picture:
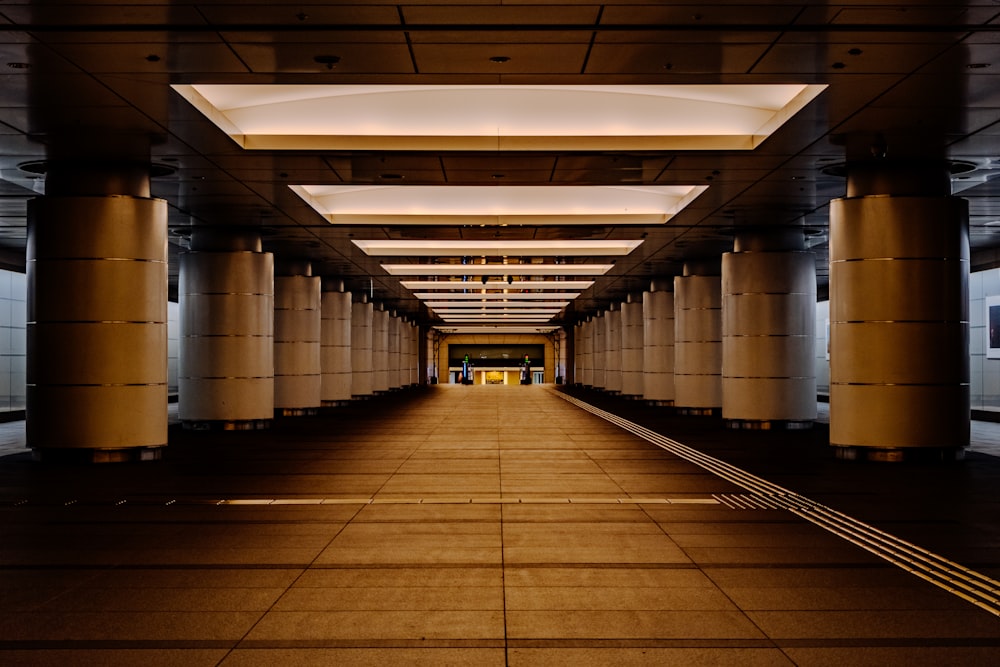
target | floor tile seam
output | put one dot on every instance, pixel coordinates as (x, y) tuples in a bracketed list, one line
[(113, 644), (252, 626), (718, 589), (737, 644), (941, 572)]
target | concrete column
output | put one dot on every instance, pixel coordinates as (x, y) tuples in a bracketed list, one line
[(394, 352), (362, 359), (899, 313), (578, 353), (580, 350), (410, 360), (226, 365), (632, 349), (769, 331), (598, 356), (97, 315), (335, 345), (613, 349), (297, 325), (380, 350), (658, 344), (415, 364), (562, 365), (698, 339)]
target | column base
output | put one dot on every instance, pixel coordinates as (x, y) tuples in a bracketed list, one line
[(900, 454), (84, 455), (699, 412), (335, 404), (768, 424), (295, 412), (226, 425)]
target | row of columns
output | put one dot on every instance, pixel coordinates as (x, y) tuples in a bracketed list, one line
[(257, 339), (738, 336), (254, 339), (279, 341)]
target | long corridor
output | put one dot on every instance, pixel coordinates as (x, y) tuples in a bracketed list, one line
[(484, 525)]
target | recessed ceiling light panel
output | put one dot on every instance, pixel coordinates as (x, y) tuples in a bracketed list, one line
[(524, 205), (499, 117), (453, 285), (496, 270), (458, 297), (442, 248)]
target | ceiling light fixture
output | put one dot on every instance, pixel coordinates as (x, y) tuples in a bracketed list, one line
[(496, 304), (528, 205), (428, 248), (452, 285), (497, 269), (498, 117), (494, 296)]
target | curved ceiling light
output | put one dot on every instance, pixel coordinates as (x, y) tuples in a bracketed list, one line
[(496, 270), (467, 286), (494, 305), (458, 297), (510, 205), (444, 248), (499, 117)]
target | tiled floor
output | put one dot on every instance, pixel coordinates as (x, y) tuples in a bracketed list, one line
[(484, 525)]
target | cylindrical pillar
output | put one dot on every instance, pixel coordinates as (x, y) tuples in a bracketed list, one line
[(578, 360), (769, 331), (899, 313), (394, 352), (698, 339), (658, 344), (598, 355), (632, 349), (226, 291), (613, 350), (380, 350), (409, 357), (297, 325), (562, 365), (97, 322), (335, 345), (362, 373)]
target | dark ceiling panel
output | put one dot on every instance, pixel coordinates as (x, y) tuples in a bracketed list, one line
[(838, 58), (542, 14), (300, 14), (673, 59), (700, 14), (476, 57), (151, 57), (354, 58)]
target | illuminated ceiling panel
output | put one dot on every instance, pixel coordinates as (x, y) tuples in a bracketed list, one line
[(442, 248), (493, 312), (510, 205), (498, 117), (495, 329), (496, 305), (557, 285), (496, 269), (520, 319), (446, 297)]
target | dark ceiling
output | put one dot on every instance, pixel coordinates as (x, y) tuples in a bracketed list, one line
[(922, 76)]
